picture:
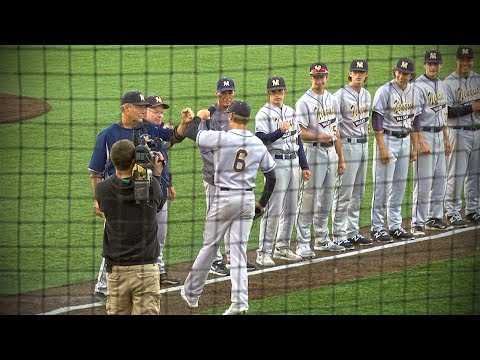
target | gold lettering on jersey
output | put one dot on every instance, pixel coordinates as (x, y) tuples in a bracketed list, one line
[(467, 94), (402, 107), (324, 113), (435, 98), (359, 112)]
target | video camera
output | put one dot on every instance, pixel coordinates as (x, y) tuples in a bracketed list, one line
[(144, 158)]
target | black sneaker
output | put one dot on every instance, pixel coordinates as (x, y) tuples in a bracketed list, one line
[(100, 297), (219, 268), (437, 224), (167, 279), (456, 220), (250, 266), (473, 217), (360, 240), (401, 234), (382, 236), (417, 230), (346, 244)]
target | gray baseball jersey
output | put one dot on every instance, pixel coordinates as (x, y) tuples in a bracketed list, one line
[(464, 131), (353, 125), (238, 154), (277, 222), (429, 171), (317, 113), (398, 108), (219, 122)]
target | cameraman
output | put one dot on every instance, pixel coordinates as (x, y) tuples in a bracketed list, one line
[(130, 246), (134, 108)]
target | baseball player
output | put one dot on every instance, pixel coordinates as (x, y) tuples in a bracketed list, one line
[(155, 115), (395, 107), (429, 170), (134, 108), (316, 113), (238, 154), (218, 121), (354, 103), (276, 126), (463, 97)]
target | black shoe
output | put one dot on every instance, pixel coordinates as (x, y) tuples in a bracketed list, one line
[(167, 279), (456, 220), (381, 236), (250, 266), (417, 230), (401, 234), (473, 217), (437, 224), (219, 268), (359, 239), (100, 297)]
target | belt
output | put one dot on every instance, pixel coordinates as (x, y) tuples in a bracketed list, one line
[(361, 140), (286, 156), (467, 127), (432, 128), (323, 144), (398, 134), (228, 189)]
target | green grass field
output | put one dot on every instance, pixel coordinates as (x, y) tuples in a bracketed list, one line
[(50, 236)]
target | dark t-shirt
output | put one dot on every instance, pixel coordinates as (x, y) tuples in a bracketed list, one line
[(130, 234)]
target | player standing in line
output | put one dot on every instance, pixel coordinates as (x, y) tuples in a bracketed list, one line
[(155, 114), (134, 108), (276, 126), (219, 121), (463, 97), (354, 103), (238, 155), (316, 112), (430, 169), (395, 108)]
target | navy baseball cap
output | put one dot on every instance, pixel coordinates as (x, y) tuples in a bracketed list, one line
[(276, 83), (225, 83), (433, 56), (134, 97), (318, 68), (155, 100), (359, 65), (405, 65), (464, 51), (240, 108)]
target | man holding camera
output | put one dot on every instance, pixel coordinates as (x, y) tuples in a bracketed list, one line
[(134, 108), (130, 246)]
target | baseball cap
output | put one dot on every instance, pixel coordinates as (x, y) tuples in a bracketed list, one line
[(318, 68), (134, 97), (240, 108), (464, 51), (405, 65), (225, 83), (276, 83), (359, 65), (433, 56), (155, 100)]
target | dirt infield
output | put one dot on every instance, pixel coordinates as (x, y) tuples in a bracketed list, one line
[(16, 108), (268, 283)]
